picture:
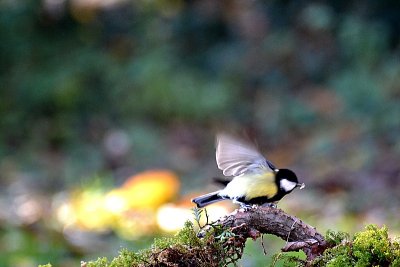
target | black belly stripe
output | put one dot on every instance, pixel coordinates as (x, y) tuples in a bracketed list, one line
[(261, 200)]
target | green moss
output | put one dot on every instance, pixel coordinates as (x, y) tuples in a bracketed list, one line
[(339, 256), (126, 258), (371, 247), (186, 236), (100, 262), (184, 249), (336, 237)]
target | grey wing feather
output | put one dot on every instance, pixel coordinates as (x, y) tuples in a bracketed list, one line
[(235, 157)]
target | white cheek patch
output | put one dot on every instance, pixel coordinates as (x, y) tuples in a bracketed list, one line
[(287, 185)]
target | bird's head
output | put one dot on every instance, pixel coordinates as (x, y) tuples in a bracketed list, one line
[(287, 180)]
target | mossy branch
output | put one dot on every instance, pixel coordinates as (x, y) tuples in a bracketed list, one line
[(265, 220), (222, 243)]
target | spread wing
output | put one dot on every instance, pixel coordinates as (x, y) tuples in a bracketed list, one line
[(235, 157)]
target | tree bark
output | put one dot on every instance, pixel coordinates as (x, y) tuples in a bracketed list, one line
[(267, 220)]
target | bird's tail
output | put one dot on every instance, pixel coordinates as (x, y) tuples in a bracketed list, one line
[(207, 199)]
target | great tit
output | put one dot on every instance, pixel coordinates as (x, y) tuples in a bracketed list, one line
[(255, 179)]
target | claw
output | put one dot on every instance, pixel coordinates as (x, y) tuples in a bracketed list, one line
[(246, 207)]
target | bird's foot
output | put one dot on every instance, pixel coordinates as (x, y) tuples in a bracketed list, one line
[(247, 207), (270, 205)]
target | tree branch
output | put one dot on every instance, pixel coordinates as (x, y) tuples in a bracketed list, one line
[(225, 240), (266, 220)]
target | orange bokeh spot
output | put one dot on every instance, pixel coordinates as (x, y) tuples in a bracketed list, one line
[(150, 189)]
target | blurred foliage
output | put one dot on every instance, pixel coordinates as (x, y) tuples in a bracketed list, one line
[(110, 88)]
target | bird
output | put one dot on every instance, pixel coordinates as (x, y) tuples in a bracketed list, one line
[(256, 181)]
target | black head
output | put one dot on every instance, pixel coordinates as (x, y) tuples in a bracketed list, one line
[(287, 180)]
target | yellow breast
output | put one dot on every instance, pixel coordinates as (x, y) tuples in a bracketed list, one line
[(252, 186)]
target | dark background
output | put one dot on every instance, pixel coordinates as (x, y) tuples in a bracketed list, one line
[(93, 92)]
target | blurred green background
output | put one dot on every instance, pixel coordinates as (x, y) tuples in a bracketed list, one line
[(99, 97)]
